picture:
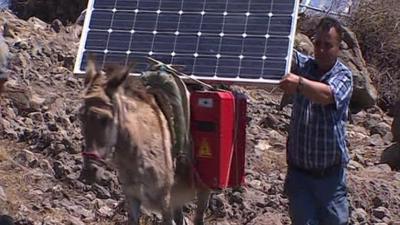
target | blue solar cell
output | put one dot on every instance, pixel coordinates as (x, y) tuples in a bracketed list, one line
[(231, 46), (273, 69), (186, 44), (261, 6), (283, 7), (145, 21), (254, 46), (216, 6), (96, 40), (237, 6), (167, 22), (277, 47), (205, 66), (234, 24), (250, 68), (170, 5), (101, 19), (257, 24), (126, 4), (164, 43), (119, 41), (141, 42), (190, 23), (209, 45), (280, 25), (212, 23), (228, 67), (192, 5), (149, 5), (103, 4), (123, 20)]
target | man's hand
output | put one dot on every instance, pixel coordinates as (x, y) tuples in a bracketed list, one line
[(289, 83)]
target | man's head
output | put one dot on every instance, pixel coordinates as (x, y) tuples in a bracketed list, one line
[(327, 41)]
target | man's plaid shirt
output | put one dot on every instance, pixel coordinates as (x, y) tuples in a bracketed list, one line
[(317, 138)]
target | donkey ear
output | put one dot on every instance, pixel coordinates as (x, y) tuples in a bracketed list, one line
[(91, 70), (117, 77)]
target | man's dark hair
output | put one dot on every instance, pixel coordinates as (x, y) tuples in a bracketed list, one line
[(326, 23)]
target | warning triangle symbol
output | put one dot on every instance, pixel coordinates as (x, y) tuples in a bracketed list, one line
[(204, 150)]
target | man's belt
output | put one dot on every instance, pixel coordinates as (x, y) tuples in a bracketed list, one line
[(318, 173)]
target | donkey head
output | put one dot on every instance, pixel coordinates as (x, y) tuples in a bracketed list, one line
[(98, 115)]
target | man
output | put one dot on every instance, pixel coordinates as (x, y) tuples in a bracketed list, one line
[(316, 148)]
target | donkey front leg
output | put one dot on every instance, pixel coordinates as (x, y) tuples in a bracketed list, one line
[(202, 205), (179, 217), (133, 208), (167, 211)]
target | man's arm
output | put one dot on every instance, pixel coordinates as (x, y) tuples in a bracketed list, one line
[(317, 92)]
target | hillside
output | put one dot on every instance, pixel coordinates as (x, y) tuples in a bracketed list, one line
[(40, 157)]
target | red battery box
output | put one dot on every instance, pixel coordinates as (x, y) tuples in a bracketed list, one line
[(218, 132)]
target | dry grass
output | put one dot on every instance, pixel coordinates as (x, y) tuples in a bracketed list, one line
[(377, 27)]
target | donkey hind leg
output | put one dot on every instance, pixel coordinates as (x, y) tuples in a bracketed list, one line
[(202, 205), (167, 219), (133, 207), (179, 218)]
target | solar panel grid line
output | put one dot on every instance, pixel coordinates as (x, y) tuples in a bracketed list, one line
[(244, 35), (220, 41), (177, 30), (131, 38), (154, 32), (108, 37), (266, 42), (198, 33), (229, 35)]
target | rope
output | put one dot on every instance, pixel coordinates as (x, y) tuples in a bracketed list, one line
[(179, 74)]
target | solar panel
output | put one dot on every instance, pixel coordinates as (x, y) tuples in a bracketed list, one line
[(243, 41)]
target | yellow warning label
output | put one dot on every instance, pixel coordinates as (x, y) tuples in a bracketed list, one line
[(204, 150)]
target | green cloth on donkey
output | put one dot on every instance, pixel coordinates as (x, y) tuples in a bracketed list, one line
[(172, 96)]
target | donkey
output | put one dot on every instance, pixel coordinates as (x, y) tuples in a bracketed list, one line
[(121, 120)]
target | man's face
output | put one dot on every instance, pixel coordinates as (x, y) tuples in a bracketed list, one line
[(326, 48)]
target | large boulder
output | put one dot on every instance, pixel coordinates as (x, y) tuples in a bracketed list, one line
[(364, 93), (49, 10), (303, 44), (391, 156), (396, 123)]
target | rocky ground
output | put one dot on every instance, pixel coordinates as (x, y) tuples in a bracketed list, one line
[(40, 157)]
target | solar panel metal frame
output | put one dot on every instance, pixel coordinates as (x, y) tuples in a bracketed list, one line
[(237, 80)]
